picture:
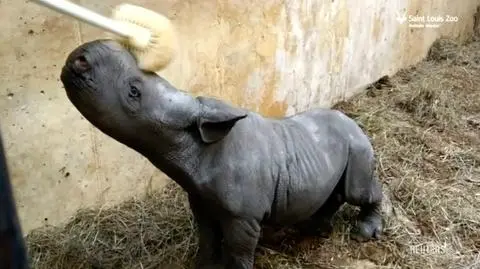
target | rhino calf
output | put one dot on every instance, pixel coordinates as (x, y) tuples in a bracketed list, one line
[(240, 169)]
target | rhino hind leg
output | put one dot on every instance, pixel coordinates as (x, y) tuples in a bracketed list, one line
[(363, 189), (320, 224)]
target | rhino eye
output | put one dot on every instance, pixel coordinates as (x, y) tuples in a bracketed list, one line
[(134, 92)]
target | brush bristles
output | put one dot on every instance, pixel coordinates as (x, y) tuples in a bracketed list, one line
[(156, 54)]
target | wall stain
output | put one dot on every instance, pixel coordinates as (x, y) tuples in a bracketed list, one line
[(239, 41), (290, 42), (377, 27), (268, 106), (308, 14), (242, 40), (342, 30)]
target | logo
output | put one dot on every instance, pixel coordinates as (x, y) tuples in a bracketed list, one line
[(401, 18), (424, 21)]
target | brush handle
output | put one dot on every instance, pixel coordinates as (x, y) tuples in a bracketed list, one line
[(85, 15)]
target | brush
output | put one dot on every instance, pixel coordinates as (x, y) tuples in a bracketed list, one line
[(149, 36)]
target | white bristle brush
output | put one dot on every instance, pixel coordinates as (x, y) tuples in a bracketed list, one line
[(149, 36)]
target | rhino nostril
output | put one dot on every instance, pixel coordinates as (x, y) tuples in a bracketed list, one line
[(81, 64)]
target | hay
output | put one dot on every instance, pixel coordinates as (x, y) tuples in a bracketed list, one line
[(155, 232), (425, 126)]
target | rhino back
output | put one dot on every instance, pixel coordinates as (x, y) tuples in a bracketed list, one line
[(277, 170), (317, 154)]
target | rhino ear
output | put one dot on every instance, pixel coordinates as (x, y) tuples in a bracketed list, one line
[(216, 119)]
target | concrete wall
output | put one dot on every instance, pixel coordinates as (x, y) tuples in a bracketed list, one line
[(276, 57)]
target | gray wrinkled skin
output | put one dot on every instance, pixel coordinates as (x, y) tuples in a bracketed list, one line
[(240, 170)]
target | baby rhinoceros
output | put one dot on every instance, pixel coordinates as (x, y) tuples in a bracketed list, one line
[(240, 169)]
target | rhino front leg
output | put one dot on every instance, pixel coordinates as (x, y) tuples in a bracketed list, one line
[(209, 255), (369, 221), (363, 189), (240, 241)]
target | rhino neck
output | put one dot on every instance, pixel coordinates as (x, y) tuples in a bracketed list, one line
[(177, 159)]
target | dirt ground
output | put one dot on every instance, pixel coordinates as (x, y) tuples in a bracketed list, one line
[(424, 123)]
